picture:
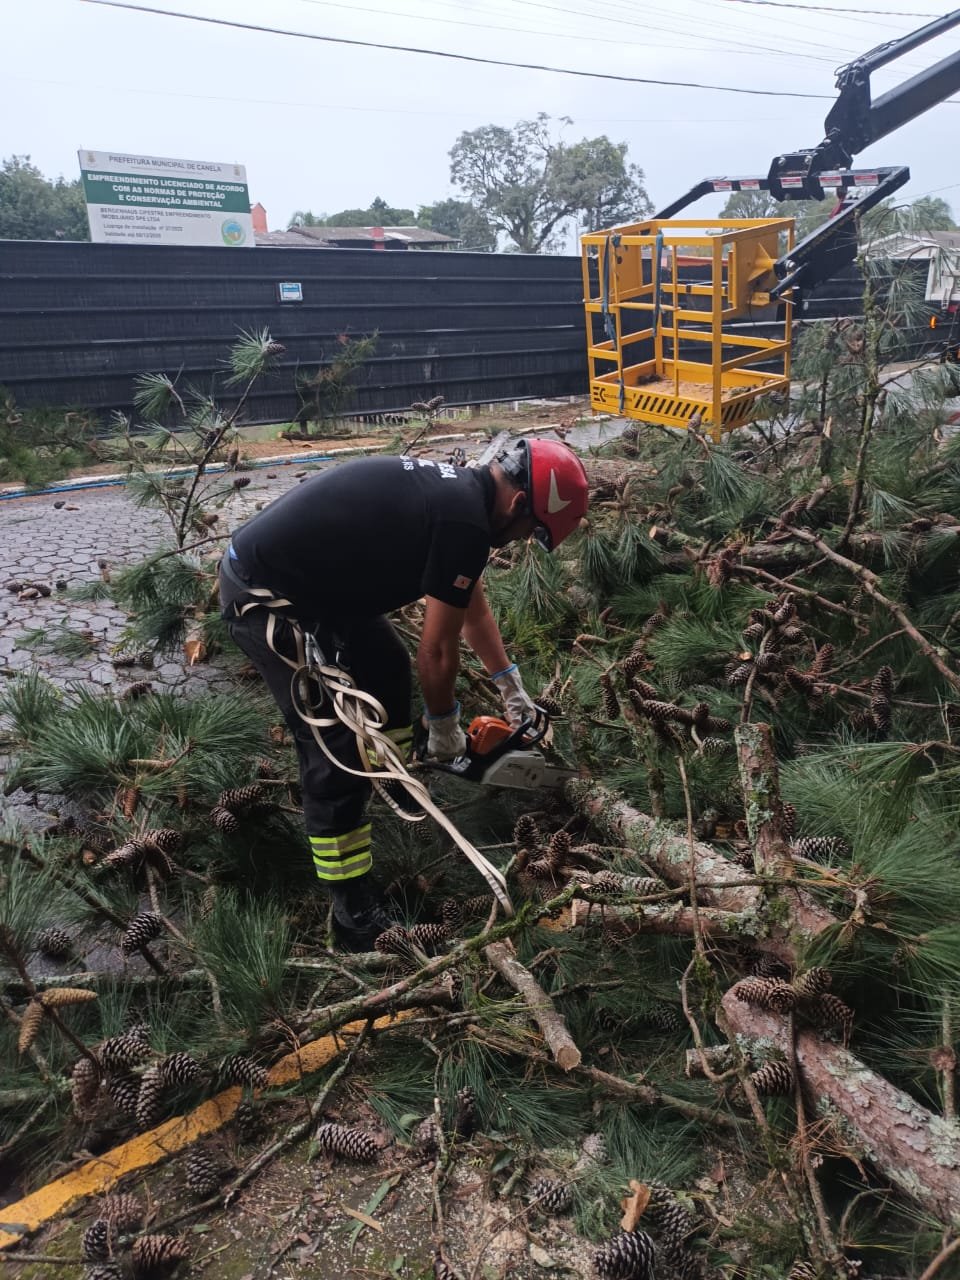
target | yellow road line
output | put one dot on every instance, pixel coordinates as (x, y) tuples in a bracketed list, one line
[(99, 1175)]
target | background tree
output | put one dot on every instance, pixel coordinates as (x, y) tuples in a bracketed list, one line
[(593, 175), (33, 207), (378, 214), (462, 220), (527, 184), (928, 213), (305, 218)]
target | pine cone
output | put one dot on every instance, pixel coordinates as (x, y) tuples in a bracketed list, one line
[(104, 1271), (178, 1069), (266, 768), (143, 928), (802, 1270), (766, 993), (120, 1052), (552, 706), (352, 1144), (395, 941), (139, 689), (208, 901), (739, 673), (628, 1256), (98, 1240), (881, 711), (882, 684), (239, 1069), (30, 1025), (246, 1118), (451, 913), (816, 847), (225, 821), (788, 819), (813, 982), (525, 833), (465, 1116), (681, 1263), (825, 1011), (791, 634), (609, 882), (166, 838), (124, 1091), (550, 1197), (54, 942), (240, 482), (202, 1174), (150, 1098), (823, 661), (593, 1150), (59, 997), (644, 690), (478, 905), (430, 938), (660, 711), (800, 681), (664, 1017), (84, 1084), (754, 631), (240, 797), (558, 850), (158, 1255), (773, 1079), (126, 854), (541, 869), (426, 1137), (715, 747), (608, 699), (124, 1210), (675, 1223)]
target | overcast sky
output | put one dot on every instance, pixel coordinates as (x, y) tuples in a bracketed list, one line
[(325, 126)]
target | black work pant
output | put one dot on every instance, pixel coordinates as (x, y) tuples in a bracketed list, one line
[(334, 801)]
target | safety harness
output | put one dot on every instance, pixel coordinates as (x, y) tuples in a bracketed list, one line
[(363, 715)]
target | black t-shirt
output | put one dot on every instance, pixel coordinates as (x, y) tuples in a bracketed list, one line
[(371, 535)]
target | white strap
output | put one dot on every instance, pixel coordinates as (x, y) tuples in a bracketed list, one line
[(365, 717)]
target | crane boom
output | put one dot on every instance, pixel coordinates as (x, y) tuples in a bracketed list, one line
[(854, 122)]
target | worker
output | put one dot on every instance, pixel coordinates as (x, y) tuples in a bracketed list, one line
[(336, 554)]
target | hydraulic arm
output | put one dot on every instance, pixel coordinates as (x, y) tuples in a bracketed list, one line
[(854, 122)]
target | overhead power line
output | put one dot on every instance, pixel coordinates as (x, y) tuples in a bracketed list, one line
[(441, 53), (830, 8)]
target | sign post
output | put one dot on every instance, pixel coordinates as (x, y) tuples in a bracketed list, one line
[(153, 200)]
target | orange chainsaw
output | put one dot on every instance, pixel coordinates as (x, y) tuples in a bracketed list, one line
[(498, 756)]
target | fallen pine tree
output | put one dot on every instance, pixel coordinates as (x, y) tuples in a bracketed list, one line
[(806, 580)]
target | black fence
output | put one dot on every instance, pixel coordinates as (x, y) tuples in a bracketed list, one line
[(78, 322)]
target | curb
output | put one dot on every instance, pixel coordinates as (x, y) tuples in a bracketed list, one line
[(282, 459), (147, 1149)]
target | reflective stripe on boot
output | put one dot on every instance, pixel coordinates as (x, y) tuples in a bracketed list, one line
[(342, 857)]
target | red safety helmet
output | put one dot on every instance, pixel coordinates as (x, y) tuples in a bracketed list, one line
[(555, 483)]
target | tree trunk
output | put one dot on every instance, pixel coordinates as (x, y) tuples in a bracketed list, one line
[(916, 1150), (668, 854)]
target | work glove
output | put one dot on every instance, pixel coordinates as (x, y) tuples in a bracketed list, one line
[(445, 739), (517, 702)]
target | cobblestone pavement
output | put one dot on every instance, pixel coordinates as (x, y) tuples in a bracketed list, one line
[(67, 545)]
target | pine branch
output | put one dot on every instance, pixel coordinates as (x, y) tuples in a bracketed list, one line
[(540, 1006), (870, 583)]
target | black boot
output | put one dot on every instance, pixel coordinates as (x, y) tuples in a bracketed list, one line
[(360, 913)]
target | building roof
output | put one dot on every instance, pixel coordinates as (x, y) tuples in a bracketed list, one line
[(287, 240), (916, 244), (408, 235)]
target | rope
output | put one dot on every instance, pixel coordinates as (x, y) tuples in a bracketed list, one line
[(365, 717)]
